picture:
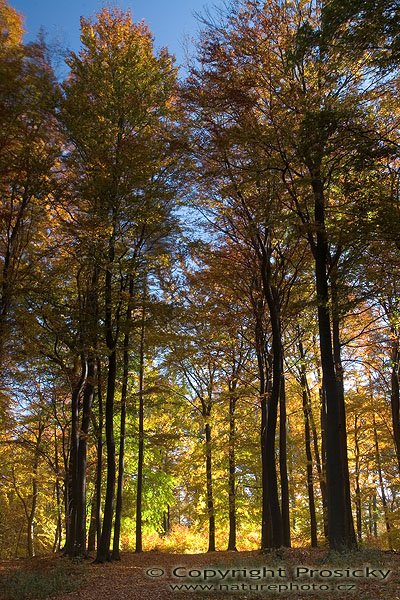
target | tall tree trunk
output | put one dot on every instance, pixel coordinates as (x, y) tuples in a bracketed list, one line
[(320, 458), (273, 401), (99, 462), (88, 395), (95, 521), (340, 386), (139, 490), (395, 394), (319, 463), (341, 537), (121, 456), (95, 515), (370, 516), (357, 478), (89, 319), (103, 550), (209, 481), (283, 465), (57, 490), (91, 544), (263, 372), (382, 487), (307, 439), (58, 532), (322, 472), (10, 265), (232, 467), (72, 481), (374, 513)]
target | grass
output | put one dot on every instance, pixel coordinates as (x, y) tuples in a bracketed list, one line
[(37, 584)]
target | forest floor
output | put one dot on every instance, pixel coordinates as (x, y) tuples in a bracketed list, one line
[(285, 574)]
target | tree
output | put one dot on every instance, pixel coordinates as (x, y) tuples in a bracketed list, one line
[(116, 113), (29, 149)]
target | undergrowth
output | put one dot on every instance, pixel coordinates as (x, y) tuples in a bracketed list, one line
[(65, 576)]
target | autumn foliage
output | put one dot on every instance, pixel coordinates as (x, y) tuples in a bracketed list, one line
[(199, 303)]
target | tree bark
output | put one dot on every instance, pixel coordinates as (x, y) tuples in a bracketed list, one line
[(232, 467), (103, 550), (340, 386), (273, 401), (283, 465), (210, 495), (72, 490), (263, 375), (321, 463), (319, 456), (382, 487), (88, 395), (307, 439), (340, 535), (357, 478), (139, 491), (99, 465), (91, 544), (57, 489), (395, 394), (121, 456)]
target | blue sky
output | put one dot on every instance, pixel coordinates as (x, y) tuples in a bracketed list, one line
[(171, 21)]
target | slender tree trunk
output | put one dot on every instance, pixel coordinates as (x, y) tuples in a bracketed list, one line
[(232, 467), (319, 463), (292, 491), (95, 520), (395, 394), (67, 509), (57, 490), (99, 465), (266, 525), (283, 465), (339, 511), (121, 457), (65, 448), (374, 513), (166, 521), (273, 403), (210, 495), (88, 395), (103, 550), (95, 514), (73, 461), (322, 471), (58, 532), (139, 491), (307, 439), (35, 493), (357, 478), (382, 487), (370, 516), (91, 544), (320, 458)]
